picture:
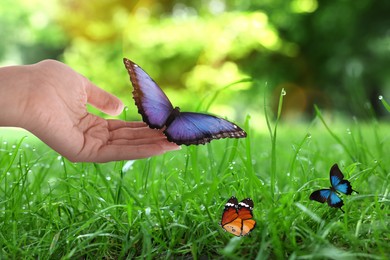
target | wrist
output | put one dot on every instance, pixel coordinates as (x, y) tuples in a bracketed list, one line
[(14, 89)]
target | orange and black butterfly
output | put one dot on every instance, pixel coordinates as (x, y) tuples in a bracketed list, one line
[(237, 217)]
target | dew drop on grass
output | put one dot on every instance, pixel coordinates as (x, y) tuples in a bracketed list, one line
[(8, 173), (59, 157), (283, 93), (5, 142), (380, 97), (13, 146), (147, 211), (288, 174), (108, 178), (126, 108), (128, 166), (10, 154), (348, 131)]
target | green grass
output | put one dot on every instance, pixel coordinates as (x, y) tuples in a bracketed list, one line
[(170, 206)]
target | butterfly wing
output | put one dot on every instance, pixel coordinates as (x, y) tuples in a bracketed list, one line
[(245, 213), (197, 128), (230, 212), (152, 103), (338, 182), (230, 221), (329, 196), (320, 195), (234, 227), (334, 200)]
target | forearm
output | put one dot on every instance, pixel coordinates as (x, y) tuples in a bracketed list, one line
[(14, 89)]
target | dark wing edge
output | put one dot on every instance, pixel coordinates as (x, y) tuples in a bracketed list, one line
[(137, 93)]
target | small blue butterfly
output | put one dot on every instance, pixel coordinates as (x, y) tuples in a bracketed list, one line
[(338, 185)]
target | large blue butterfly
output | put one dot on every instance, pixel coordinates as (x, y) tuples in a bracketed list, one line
[(179, 127), (338, 185)]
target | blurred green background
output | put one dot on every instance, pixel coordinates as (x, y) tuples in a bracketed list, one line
[(331, 53)]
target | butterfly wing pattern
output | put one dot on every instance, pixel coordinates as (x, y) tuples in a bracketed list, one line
[(180, 127), (152, 103), (196, 128), (338, 182), (338, 185), (237, 217)]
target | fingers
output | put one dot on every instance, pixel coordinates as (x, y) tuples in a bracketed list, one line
[(135, 133), (103, 100), (114, 124), (133, 152)]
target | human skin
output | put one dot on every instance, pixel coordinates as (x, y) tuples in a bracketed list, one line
[(49, 99)]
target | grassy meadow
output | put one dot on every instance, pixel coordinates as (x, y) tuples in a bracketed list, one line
[(170, 206)]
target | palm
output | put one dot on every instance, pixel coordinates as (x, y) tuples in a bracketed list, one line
[(64, 123)]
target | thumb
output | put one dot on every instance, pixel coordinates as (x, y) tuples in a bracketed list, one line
[(103, 100)]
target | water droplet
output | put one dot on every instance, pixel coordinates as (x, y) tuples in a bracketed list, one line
[(380, 97), (108, 178), (288, 174), (283, 93), (128, 165), (147, 211), (126, 108), (348, 131), (59, 157), (14, 146), (5, 142)]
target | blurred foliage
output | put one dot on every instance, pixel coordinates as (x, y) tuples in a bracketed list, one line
[(332, 53)]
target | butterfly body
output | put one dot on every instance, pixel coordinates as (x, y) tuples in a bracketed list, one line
[(180, 127), (339, 185), (237, 217)]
